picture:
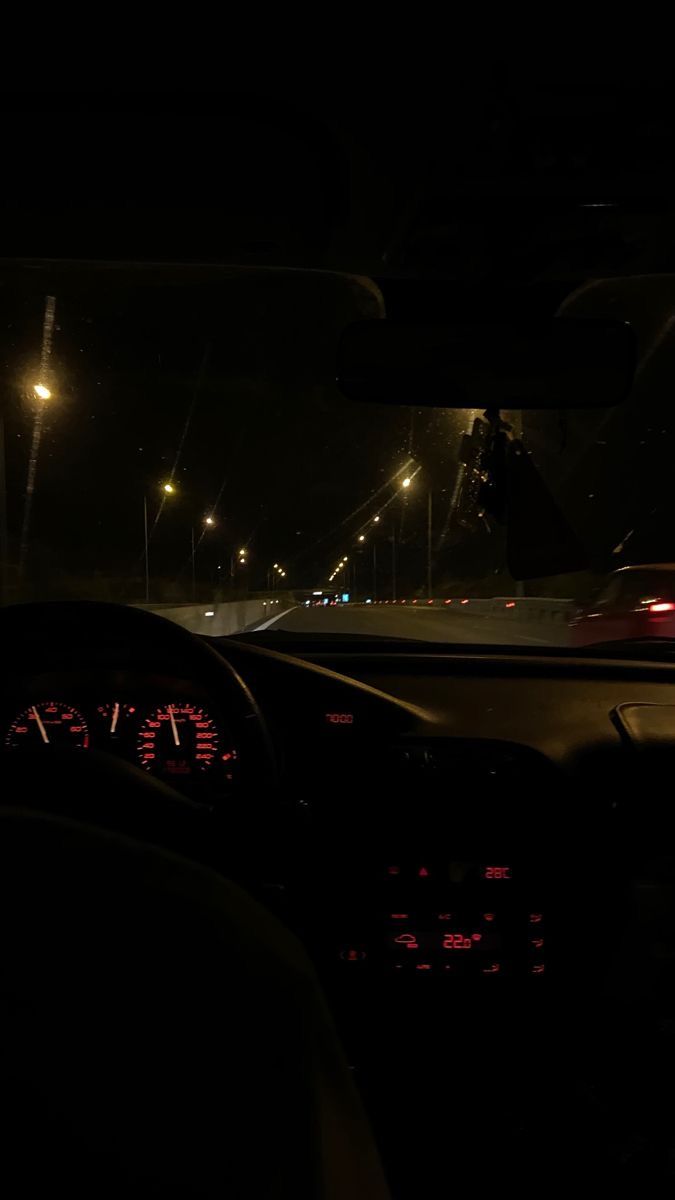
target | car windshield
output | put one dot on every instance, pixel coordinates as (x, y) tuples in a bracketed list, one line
[(173, 437)]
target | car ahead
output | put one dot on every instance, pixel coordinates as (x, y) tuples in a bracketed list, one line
[(636, 602)]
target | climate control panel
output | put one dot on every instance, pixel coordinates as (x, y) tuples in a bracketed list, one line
[(454, 919)]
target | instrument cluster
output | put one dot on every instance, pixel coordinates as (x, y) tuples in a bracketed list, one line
[(179, 741)]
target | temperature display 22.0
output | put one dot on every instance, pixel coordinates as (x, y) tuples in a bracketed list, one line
[(178, 739)]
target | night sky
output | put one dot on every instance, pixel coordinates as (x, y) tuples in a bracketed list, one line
[(462, 199), (227, 389)]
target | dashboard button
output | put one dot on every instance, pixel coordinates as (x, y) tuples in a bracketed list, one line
[(353, 954)]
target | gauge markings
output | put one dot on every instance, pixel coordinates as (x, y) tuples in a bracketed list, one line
[(48, 723)]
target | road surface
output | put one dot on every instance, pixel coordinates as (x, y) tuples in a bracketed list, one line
[(424, 623)]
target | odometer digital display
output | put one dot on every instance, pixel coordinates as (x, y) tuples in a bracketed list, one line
[(179, 739)]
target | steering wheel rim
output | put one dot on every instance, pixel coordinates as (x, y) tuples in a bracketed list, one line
[(105, 790)]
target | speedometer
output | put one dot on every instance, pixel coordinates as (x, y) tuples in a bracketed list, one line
[(178, 739), (47, 724)]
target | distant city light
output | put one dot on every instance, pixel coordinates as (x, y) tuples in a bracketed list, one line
[(361, 537), (375, 520)]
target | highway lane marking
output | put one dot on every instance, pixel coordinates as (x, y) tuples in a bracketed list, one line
[(266, 624)]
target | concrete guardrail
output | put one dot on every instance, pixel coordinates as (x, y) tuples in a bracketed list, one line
[(219, 620)]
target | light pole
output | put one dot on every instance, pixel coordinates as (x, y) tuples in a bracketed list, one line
[(4, 538), (168, 490), (405, 484), (209, 522), (429, 528), (41, 394)]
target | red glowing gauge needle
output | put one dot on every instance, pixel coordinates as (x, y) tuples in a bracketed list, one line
[(174, 727), (43, 731)]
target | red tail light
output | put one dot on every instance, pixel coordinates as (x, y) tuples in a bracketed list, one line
[(510, 604), (666, 606)]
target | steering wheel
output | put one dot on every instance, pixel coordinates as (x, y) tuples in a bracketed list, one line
[(100, 788)]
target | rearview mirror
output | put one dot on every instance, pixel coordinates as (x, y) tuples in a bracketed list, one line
[(558, 364)]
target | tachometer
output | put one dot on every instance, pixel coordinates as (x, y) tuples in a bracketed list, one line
[(50, 723), (178, 739)]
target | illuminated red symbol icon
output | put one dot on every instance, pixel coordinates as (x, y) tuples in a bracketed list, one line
[(393, 870), (537, 943), (399, 916), (536, 918), (408, 940), (423, 966), (538, 969), (423, 873), (352, 955), (226, 757), (488, 916), (492, 970), (445, 916), (476, 937)]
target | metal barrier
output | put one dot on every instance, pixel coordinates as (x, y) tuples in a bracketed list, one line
[(508, 608)]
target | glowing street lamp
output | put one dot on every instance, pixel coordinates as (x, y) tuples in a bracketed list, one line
[(168, 488), (375, 520), (362, 537), (42, 392), (405, 483), (209, 521)]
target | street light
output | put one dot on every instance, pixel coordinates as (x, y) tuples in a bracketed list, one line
[(405, 483), (42, 392), (375, 520), (361, 537), (209, 521), (169, 489)]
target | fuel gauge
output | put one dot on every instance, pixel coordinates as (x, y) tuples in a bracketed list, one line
[(116, 721)]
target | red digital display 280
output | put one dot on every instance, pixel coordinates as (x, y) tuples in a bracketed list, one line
[(502, 872)]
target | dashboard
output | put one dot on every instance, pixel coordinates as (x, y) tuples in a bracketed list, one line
[(172, 732), (477, 850)]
